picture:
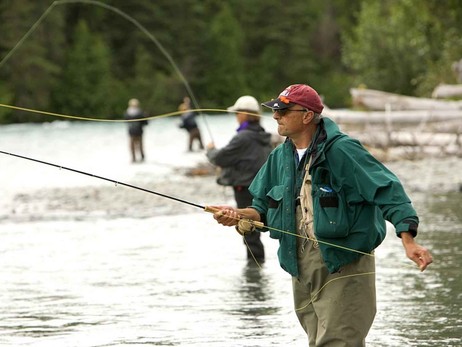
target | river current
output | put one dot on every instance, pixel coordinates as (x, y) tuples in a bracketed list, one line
[(89, 263)]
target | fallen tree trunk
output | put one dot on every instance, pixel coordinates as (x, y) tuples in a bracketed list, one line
[(409, 145), (398, 117), (406, 138), (447, 91), (379, 100)]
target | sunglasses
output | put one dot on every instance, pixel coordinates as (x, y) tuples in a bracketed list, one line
[(284, 111)]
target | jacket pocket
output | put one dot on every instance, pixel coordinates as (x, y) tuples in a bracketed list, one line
[(274, 213), (330, 212)]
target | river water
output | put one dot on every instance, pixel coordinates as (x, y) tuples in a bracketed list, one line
[(85, 262)]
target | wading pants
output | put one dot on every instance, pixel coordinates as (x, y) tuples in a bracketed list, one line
[(255, 248), (136, 147), (195, 134), (335, 310)]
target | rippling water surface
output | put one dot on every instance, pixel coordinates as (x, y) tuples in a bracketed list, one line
[(85, 262)]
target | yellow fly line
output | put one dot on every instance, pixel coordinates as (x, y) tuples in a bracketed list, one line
[(60, 115), (161, 116), (92, 119), (319, 241)]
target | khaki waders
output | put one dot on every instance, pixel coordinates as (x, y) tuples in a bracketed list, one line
[(335, 310)]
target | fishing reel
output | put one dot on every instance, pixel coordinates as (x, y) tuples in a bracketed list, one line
[(245, 226)]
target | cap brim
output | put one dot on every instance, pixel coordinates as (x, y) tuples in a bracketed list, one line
[(277, 104)]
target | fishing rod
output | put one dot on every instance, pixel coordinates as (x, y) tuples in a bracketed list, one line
[(205, 208), (210, 209)]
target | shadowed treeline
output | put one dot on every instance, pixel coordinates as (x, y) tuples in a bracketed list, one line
[(88, 57)]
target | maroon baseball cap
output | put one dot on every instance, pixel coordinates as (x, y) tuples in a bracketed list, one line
[(297, 94)]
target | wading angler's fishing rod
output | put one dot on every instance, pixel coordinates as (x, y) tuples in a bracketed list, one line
[(247, 224), (205, 208)]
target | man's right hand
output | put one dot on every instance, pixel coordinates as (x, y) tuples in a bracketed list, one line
[(226, 215)]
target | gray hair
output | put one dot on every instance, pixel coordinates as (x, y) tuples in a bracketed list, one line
[(317, 117)]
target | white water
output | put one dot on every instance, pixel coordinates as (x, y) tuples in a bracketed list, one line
[(87, 263)]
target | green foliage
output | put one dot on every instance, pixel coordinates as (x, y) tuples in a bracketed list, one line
[(6, 98), (386, 47), (225, 72), (86, 82), (32, 72), (402, 46), (157, 90), (87, 60)]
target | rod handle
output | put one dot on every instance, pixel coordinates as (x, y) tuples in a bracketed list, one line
[(210, 209)]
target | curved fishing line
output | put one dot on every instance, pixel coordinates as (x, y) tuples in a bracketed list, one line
[(130, 19), (251, 253), (164, 115), (30, 31), (315, 295), (319, 241), (261, 226)]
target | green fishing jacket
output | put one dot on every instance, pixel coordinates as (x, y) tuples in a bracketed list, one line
[(353, 194)]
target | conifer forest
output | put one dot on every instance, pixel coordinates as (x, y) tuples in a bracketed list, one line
[(87, 58)]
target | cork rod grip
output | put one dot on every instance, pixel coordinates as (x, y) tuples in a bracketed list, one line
[(210, 209)]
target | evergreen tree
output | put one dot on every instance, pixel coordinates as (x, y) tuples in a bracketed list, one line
[(86, 82), (223, 49), (33, 65), (148, 85), (444, 38), (224, 78), (398, 45)]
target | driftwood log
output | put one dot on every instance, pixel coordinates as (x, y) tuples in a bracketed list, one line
[(443, 91), (390, 135), (394, 117), (379, 100), (397, 135)]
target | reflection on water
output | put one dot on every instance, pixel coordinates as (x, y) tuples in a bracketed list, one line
[(445, 294), (445, 207), (84, 263), (425, 308)]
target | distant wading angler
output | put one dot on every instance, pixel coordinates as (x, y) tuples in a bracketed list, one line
[(241, 159), (188, 122), (135, 129), (326, 199)]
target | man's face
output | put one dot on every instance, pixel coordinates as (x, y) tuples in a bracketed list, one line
[(290, 120)]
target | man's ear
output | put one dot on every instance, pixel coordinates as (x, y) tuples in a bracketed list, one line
[(308, 117)]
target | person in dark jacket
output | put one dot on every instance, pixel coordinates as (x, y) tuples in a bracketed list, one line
[(135, 129), (188, 122), (326, 199), (241, 159)]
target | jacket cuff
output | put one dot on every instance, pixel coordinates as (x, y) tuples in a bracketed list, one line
[(407, 226)]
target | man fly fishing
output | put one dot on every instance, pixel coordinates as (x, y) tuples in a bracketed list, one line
[(328, 188)]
